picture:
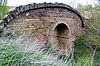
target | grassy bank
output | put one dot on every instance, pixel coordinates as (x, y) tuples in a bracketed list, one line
[(13, 53)]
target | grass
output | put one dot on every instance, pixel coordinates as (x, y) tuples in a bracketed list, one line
[(13, 53), (19, 52), (82, 61), (85, 53)]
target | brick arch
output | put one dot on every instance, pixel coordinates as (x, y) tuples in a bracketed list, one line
[(60, 36), (34, 6)]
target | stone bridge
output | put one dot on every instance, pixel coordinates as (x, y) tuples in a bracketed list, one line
[(54, 23)]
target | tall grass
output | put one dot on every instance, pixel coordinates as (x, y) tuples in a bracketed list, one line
[(19, 52), (85, 53), (29, 52)]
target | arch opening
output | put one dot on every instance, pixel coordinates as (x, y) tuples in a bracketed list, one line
[(60, 37)]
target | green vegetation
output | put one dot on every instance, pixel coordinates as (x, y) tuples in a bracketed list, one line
[(15, 53), (82, 8), (87, 47), (1, 30), (3, 8), (85, 53), (12, 53)]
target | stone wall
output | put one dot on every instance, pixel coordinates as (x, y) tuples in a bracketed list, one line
[(40, 23)]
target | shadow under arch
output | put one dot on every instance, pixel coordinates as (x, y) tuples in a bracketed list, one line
[(59, 37)]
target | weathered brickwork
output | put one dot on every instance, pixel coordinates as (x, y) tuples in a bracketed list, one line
[(54, 24)]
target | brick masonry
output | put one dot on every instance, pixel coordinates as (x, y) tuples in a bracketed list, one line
[(40, 21)]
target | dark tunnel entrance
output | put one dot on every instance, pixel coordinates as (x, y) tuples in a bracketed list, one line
[(60, 37)]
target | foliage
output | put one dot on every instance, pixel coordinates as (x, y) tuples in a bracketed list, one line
[(85, 53), (82, 8), (80, 43), (1, 30), (3, 8), (83, 60), (92, 31)]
